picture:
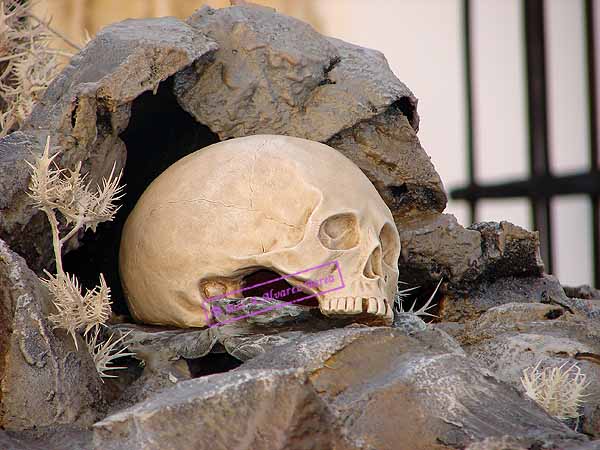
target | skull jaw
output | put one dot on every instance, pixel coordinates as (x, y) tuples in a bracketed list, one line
[(370, 310)]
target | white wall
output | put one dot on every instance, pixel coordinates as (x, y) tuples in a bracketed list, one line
[(569, 134)]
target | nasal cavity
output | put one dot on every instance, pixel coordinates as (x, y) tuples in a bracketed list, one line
[(373, 267)]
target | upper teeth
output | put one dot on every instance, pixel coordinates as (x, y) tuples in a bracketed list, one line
[(356, 305)]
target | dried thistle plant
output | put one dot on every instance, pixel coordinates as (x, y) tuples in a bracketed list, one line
[(104, 352), (78, 312), (423, 311), (556, 389), (27, 63), (65, 191)]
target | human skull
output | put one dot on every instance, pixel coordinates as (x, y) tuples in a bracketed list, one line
[(278, 203)]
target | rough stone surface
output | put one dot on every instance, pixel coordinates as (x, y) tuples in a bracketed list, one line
[(275, 74), (44, 379), (58, 438), (84, 111), (251, 409), (437, 246), (239, 71), (388, 151), (169, 355), (467, 304), (159, 346), (584, 292), (18, 221), (8, 442), (507, 339), (583, 307), (509, 443), (410, 393)]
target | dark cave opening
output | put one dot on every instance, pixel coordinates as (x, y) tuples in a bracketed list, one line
[(408, 107), (159, 133), (211, 364), (418, 298)]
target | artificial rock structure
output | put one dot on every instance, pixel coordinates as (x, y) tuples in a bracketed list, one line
[(145, 93)]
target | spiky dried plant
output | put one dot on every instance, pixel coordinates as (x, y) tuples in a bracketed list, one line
[(53, 190), (27, 63), (65, 191), (423, 311), (78, 312), (104, 352), (556, 389)]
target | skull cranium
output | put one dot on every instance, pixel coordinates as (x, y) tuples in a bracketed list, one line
[(263, 202)]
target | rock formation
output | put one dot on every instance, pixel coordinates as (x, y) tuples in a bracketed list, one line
[(144, 93)]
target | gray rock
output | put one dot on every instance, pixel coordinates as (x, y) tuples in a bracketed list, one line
[(246, 70), (356, 387), (509, 250), (8, 442), (243, 339), (593, 445), (18, 221), (159, 346), (581, 306), (497, 443), (44, 380), (388, 151), (468, 304), (55, 438), (250, 409), (148, 384), (166, 353), (509, 443), (584, 292), (405, 392), (84, 111), (437, 246), (509, 338), (275, 74), (241, 70), (409, 323)]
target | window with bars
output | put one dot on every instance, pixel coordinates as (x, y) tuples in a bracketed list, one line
[(541, 185)]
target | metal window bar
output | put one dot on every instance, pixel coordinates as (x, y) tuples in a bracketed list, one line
[(541, 185), (470, 119), (590, 39)]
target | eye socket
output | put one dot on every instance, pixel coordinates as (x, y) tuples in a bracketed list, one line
[(340, 232), (390, 244)]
